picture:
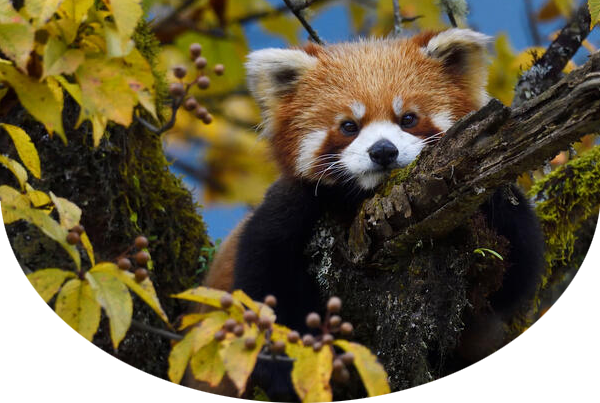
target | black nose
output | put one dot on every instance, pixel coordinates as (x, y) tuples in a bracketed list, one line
[(383, 152)]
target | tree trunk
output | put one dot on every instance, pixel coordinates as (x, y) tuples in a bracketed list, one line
[(125, 189)]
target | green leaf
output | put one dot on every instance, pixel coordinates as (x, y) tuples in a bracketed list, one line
[(206, 364), (58, 59), (238, 361), (68, 212), (594, 6), (76, 304), (39, 99), (114, 297), (371, 372), (16, 35), (145, 290), (47, 282), (75, 10), (17, 169), (25, 148), (311, 372)]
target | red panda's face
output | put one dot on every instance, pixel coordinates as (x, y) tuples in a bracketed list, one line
[(355, 111)]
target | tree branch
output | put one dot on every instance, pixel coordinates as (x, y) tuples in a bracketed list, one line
[(481, 152), (548, 69), (397, 18), (298, 13)]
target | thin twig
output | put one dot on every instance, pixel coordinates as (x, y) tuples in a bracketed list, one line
[(397, 18), (176, 103), (298, 13), (533, 27), (155, 330), (451, 18)]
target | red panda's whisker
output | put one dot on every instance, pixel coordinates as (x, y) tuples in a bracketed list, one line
[(324, 172)]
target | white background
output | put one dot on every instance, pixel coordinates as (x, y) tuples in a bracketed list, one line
[(43, 359)]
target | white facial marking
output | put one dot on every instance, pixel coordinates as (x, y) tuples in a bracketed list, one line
[(443, 120), (397, 104), (356, 160), (309, 145), (358, 110)]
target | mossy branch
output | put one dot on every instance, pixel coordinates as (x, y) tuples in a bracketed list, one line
[(483, 151)]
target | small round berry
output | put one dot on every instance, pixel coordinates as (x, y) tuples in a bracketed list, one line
[(229, 325), (201, 112), (78, 228), (220, 335), (238, 330), (203, 82), (334, 305), (195, 50), (176, 90), (200, 63), (208, 119), (335, 321), (219, 69), (313, 320), (226, 301), (141, 242), (264, 323), (293, 336), (338, 365), (73, 238), (179, 71), (250, 316), (347, 358), (271, 301), (327, 339), (142, 258), (278, 347), (347, 328), (141, 274), (308, 340), (250, 343), (341, 376), (317, 346), (124, 263), (190, 104)]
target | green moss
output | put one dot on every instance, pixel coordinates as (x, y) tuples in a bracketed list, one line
[(567, 198), (398, 176)]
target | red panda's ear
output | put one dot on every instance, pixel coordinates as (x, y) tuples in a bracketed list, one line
[(463, 53)]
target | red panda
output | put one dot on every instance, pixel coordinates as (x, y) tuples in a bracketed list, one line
[(340, 118)]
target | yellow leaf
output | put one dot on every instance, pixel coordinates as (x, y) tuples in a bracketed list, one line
[(87, 245), (126, 14), (594, 6), (58, 59), (191, 319), (17, 169), (114, 297), (75, 10), (145, 290), (206, 364), (37, 98), (238, 361), (311, 372), (284, 26), (68, 212), (47, 282), (371, 372), (72, 88), (41, 10), (242, 297), (16, 35), (12, 197), (139, 77), (180, 356), (555, 8), (116, 45), (48, 226), (25, 148), (37, 197), (212, 297), (76, 304)]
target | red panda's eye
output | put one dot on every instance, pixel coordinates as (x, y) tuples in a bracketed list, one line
[(409, 120), (349, 128)]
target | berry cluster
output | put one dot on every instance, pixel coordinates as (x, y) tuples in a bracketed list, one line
[(74, 235), (141, 258), (179, 90)]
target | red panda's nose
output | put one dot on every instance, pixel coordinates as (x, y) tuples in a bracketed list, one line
[(383, 152)]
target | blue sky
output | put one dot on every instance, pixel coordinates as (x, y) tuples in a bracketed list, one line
[(492, 17)]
